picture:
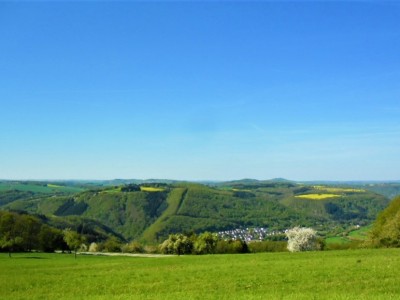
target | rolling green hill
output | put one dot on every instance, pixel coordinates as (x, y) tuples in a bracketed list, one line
[(151, 211)]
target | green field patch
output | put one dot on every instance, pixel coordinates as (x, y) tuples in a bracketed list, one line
[(54, 186), (318, 196), (37, 187), (111, 191), (360, 234), (241, 190)]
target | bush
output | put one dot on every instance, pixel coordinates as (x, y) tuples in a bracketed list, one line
[(268, 246), (112, 245), (133, 247), (345, 246), (231, 247), (93, 247)]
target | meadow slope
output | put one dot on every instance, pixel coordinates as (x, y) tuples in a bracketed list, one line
[(356, 274)]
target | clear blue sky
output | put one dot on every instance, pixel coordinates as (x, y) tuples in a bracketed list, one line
[(200, 90)]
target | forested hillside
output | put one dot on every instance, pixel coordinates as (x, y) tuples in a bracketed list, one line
[(386, 230), (150, 211)]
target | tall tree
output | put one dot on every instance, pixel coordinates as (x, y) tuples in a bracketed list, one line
[(9, 233), (73, 239)]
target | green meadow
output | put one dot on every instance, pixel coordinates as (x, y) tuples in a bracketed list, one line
[(351, 274)]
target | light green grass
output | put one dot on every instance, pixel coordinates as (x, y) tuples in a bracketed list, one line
[(354, 235), (360, 234), (113, 190), (356, 274)]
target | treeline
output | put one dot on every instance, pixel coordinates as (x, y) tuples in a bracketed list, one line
[(21, 232), (184, 244)]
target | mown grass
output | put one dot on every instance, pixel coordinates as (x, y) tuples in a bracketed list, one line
[(356, 274)]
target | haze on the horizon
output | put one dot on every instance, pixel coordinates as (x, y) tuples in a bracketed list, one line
[(195, 91)]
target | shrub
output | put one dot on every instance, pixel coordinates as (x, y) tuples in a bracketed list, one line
[(268, 246), (231, 247), (133, 247), (93, 247), (112, 245)]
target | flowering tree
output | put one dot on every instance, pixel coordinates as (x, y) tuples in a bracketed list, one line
[(302, 239)]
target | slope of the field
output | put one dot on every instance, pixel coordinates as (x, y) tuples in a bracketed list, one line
[(151, 212)]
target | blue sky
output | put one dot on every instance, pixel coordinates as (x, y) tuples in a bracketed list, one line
[(200, 90)]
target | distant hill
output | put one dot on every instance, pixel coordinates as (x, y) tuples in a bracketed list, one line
[(150, 211)]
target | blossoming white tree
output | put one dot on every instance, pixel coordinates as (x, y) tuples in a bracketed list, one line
[(302, 239)]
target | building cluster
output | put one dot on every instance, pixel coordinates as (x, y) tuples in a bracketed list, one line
[(248, 234)]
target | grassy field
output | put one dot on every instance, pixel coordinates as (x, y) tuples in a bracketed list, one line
[(356, 274)]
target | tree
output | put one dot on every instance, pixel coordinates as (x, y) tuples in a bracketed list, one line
[(177, 244), (302, 239), (10, 237), (73, 239), (206, 243), (50, 239)]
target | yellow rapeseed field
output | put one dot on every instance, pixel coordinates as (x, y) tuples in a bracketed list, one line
[(337, 189), (318, 196), (150, 189)]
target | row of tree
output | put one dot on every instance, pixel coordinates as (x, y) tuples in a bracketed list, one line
[(24, 233), (299, 239), (209, 243)]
